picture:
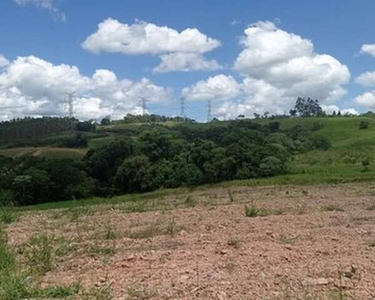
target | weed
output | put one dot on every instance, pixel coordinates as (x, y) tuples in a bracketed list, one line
[(332, 207), (98, 293), (13, 287), (6, 258), (301, 208), (8, 214), (138, 206), (59, 291), (98, 249), (231, 265), (65, 246), (231, 197), (190, 201), (253, 211), (287, 239), (39, 254), (234, 242), (139, 293), (171, 228), (110, 233)]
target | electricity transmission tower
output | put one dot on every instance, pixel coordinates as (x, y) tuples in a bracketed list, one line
[(182, 103), (209, 115), (70, 100), (143, 103)]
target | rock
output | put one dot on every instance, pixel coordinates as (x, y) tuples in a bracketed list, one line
[(131, 258), (349, 272), (315, 281), (222, 296), (224, 251)]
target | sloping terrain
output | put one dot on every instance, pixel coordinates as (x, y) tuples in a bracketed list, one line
[(245, 243)]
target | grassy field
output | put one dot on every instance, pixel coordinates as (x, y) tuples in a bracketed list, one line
[(48, 152)]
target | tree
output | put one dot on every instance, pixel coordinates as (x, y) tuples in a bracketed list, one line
[(308, 107), (293, 113), (134, 174), (106, 121)]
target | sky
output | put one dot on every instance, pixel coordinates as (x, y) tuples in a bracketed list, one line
[(243, 56)]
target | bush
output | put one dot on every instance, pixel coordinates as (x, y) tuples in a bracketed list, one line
[(320, 143), (364, 125), (365, 165)]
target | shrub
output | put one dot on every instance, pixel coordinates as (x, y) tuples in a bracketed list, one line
[(364, 125), (320, 142), (365, 165)]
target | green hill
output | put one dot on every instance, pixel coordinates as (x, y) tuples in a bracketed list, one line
[(341, 163)]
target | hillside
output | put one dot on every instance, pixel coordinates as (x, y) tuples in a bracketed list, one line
[(340, 163)]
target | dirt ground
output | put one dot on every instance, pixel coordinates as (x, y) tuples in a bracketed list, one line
[(299, 243)]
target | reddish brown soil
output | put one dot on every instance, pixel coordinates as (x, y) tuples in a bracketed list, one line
[(213, 251)]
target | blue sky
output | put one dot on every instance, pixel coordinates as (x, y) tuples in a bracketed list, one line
[(53, 31)]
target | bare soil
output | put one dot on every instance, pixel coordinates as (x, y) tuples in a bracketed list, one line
[(309, 243)]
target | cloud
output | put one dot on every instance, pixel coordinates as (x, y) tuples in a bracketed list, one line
[(220, 87), (146, 38), (185, 62), (278, 67), (33, 86), (329, 109), (366, 79), (368, 49), (349, 111), (49, 5), (3, 61), (366, 99)]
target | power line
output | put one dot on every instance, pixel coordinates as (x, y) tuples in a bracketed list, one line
[(70, 99), (182, 104), (143, 103), (209, 115)]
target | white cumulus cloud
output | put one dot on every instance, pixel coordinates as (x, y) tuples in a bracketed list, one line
[(278, 67), (49, 5), (349, 111), (220, 87), (3, 61), (366, 79), (185, 62), (367, 100), (368, 49), (179, 51), (33, 86)]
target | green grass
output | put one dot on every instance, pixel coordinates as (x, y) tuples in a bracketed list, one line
[(100, 142), (47, 152)]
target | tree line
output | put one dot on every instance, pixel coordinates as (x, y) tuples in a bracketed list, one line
[(157, 156)]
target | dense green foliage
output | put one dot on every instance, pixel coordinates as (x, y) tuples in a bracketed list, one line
[(152, 118), (45, 131), (156, 156)]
